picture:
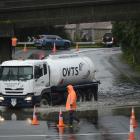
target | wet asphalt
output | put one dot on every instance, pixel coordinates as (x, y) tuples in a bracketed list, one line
[(110, 124), (107, 119)]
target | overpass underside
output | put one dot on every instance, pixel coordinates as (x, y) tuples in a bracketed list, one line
[(35, 13), (64, 14)]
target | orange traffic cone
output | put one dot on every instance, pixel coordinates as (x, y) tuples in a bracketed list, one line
[(134, 122), (34, 121), (61, 122), (54, 49), (131, 134), (77, 47), (25, 48)]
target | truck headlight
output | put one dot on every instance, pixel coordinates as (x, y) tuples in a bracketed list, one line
[(1, 98), (29, 98)]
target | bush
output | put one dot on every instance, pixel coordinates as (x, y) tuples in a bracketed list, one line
[(128, 35)]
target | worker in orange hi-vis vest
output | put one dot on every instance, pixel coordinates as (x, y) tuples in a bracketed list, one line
[(71, 104), (14, 43)]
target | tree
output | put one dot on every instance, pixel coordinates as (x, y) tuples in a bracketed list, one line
[(128, 36)]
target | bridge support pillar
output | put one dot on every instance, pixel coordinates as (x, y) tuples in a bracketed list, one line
[(6, 33), (5, 49)]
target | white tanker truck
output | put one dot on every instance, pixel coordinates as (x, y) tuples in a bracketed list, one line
[(28, 82)]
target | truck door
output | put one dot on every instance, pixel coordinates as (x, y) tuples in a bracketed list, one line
[(41, 74), (39, 79)]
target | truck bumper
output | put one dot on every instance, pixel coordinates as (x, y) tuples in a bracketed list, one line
[(19, 101)]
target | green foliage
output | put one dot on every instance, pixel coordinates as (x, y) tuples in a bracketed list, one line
[(128, 36), (23, 33)]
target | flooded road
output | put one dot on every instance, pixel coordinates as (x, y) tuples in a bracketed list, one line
[(110, 124), (107, 119), (120, 84)]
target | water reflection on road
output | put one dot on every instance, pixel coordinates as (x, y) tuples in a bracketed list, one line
[(48, 124), (113, 124)]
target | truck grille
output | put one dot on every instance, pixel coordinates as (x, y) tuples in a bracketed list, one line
[(14, 91)]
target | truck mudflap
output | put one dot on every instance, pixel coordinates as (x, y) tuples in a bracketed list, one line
[(19, 101)]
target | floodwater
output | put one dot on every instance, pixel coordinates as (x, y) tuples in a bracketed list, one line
[(110, 124)]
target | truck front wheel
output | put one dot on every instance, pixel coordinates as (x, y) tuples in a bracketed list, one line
[(45, 101)]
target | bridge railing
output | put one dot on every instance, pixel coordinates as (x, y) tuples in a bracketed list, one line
[(25, 43)]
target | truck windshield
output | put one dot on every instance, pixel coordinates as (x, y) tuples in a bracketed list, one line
[(16, 73)]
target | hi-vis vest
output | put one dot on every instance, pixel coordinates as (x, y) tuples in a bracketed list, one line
[(71, 98), (14, 41)]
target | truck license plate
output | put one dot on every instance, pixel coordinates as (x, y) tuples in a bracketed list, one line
[(13, 102)]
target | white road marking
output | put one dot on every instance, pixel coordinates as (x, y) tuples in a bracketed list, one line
[(87, 134)]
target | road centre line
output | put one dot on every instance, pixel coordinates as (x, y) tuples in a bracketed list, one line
[(87, 134)]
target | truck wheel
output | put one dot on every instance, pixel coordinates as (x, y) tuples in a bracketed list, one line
[(89, 95), (80, 95), (44, 103)]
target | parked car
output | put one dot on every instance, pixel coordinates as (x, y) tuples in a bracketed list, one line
[(108, 40), (47, 42)]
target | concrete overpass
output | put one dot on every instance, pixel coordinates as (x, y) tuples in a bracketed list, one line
[(31, 13), (26, 13)]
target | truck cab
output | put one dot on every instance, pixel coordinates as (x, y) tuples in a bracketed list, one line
[(21, 82)]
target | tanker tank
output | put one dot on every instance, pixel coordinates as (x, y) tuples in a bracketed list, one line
[(70, 69)]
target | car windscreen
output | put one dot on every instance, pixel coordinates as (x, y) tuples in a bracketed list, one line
[(51, 37), (16, 73), (108, 34)]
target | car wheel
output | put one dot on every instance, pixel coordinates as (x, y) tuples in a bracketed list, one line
[(39, 47), (66, 46), (44, 47), (49, 46)]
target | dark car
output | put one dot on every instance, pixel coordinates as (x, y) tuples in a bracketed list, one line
[(48, 41), (108, 39)]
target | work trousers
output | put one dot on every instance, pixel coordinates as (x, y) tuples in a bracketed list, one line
[(72, 116)]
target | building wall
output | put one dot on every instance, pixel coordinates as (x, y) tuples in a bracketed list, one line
[(88, 31)]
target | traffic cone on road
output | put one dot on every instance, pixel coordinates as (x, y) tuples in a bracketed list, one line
[(25, 48), (35, 120), (134, 122), (54, 49), (131, 133), (61, 122), (77, 47)]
